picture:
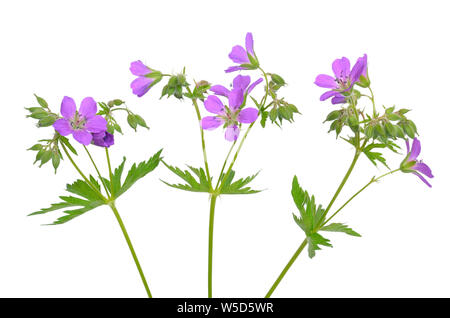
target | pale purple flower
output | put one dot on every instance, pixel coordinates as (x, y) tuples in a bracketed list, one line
[(246, 58), (234, 114), (412, 165), (82, 123), (103, 139), (343, 79), (143, 83)]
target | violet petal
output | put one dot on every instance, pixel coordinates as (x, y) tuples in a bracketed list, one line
[(88, 107), (239, 55), (139, 69), (211, 122), (214, 105), (232, 133), (247, 115), (82, 136), (62, 126), (96, 124), (325, 81), (68, 107)]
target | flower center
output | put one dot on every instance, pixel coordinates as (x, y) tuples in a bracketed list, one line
[(77, 122), (343, 82)]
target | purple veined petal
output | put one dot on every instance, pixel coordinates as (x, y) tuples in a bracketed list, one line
[(423, 168), (82, 136), (211, 122), (214, 105), (341, 67), (139, 69), (407, 146), (415, 150), (96, 124), (235, 98), (325, 81), (338, 99), (220, 90), (253, 85), (88, 107), (232, 133), (357, 70), (68, 107), (328, 94), (422, 178), (241, 82), (249, 43), (234, 69), (247, 115), (141, 85), (238, 55), (62, 126)]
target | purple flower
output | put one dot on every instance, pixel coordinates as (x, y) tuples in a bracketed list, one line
[(246, 58), (343, 80), (82, 123), (143, 83), (241, 82), (233, 115), (103, 139), (411, 165)]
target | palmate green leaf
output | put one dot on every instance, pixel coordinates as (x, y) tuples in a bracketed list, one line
[(340, 227), (87, 200), (136, 172), (310, 214), (314, 240), (194, 184), (238, 186)]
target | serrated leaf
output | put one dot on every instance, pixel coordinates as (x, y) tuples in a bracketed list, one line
[(238, 186), (375, 156), (90, 200), (340, 227), (310, 214), (136, 172), (199, 184), (314, 240)]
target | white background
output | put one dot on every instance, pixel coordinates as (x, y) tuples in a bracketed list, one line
[(83, 48)]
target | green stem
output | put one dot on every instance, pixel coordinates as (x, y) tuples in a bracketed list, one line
[(336, 194), (217, 190), (225, 163), (110, 170), (82, 174), (341, 185), (130, 246), (372, 98), (373, 180), (205, 158), (286, 268), (210, 243), (98, 172)]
